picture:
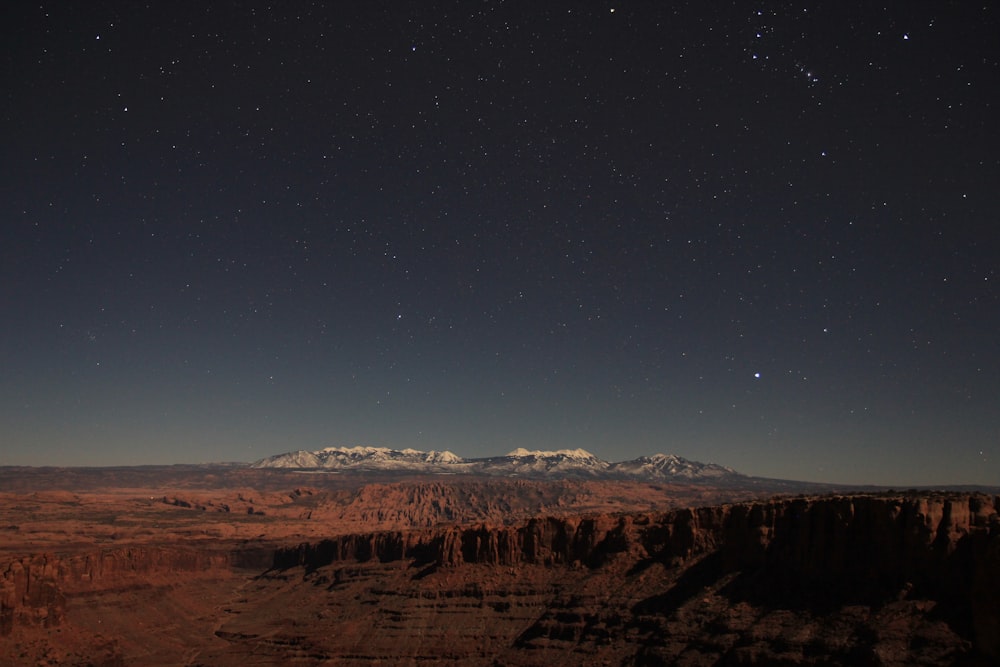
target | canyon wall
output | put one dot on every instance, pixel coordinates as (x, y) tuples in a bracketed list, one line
[(34, 589), (870, 537), (810, 554), (793, 552)]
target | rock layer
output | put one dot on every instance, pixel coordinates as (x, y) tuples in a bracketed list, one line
[(34, 589), (798, 553), (883, 579)]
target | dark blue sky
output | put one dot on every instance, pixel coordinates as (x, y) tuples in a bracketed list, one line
[(760, 235)]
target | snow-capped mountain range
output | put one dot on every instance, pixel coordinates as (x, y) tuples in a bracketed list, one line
[(521, 462)]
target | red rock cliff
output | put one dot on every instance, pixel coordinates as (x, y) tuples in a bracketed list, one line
[(806, 551), (33, 589)]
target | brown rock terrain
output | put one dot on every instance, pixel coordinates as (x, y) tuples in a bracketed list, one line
[(264, 569), (840, 580)]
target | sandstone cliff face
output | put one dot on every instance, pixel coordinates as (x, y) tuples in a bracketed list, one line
[(875, 544), (800, 552), (34, 589), (29, 593), (866, 536), (873, 579)]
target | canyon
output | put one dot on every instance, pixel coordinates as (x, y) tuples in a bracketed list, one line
[(230, 566)]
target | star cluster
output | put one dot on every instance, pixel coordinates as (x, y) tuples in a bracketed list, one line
[(760, 235)]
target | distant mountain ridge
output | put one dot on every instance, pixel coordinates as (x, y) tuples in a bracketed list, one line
[(520, 462)]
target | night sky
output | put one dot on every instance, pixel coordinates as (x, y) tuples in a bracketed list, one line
[(758, 234)]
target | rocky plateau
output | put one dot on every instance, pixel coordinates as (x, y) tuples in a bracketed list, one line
[(233, 566)]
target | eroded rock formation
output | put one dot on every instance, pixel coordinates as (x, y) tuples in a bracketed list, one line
[(30, 593), (34, 589), (882, 579), (814, 554)]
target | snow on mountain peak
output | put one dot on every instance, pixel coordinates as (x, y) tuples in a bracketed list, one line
[(521, 461), (521, 452), (671, 466), (358, 451), (361, 457), (443, 456)]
